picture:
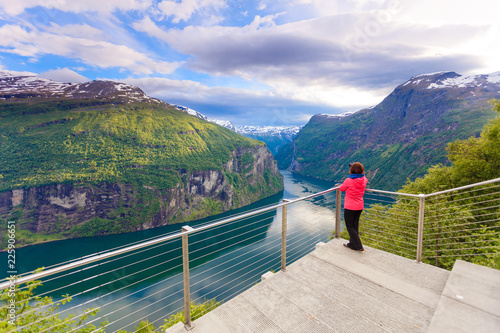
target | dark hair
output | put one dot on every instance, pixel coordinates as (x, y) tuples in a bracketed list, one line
[(356, 168)]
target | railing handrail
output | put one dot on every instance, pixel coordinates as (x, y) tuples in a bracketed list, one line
[(486, 182), (97, 257), (394, 193)]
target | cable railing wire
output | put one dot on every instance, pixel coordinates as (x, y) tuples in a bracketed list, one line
[(460, 237), (469, 210), (94, 276), (472, 190), (97, 276), (102, 296), (116, 300), (97, 298), (236, 264), (476, 203)]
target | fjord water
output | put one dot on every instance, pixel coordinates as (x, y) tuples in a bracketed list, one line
[(224, 261)]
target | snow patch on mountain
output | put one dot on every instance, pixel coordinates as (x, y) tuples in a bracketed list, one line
[(458, 82), (283, 131), (494, 77), (443, 80), (340, 115), (224, 123), (11, 84), (190, 111)]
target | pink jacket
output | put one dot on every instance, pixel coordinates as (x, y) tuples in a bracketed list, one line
[(354, 190)]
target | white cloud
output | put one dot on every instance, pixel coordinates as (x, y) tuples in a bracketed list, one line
[(183, 10), (15, 39), (64, 75), (76, 30), (169, 90), (241, 106), (347, 60), (17, 7), (16, 73)]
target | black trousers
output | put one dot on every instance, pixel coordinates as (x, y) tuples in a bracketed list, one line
[(351, 218)]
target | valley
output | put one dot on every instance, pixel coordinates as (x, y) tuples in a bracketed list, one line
[(99, 158), (102, 157)]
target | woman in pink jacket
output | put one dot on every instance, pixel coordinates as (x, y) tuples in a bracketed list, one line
[(354, 188)]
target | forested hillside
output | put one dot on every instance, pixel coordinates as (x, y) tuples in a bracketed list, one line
[(75, 141)]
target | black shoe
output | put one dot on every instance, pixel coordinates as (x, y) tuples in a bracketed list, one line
[(350, 246)]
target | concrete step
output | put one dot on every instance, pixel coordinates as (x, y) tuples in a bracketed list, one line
[(417, 281), (470, 301)]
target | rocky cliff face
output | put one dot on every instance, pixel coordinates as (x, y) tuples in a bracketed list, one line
[(70, 210)]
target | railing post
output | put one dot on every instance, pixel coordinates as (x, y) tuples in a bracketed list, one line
[(338, 207), (420, 234), (185, 264), (283, 235)]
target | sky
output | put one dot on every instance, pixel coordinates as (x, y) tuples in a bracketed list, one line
[(264, 62)]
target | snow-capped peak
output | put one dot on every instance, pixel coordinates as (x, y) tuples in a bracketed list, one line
[(288, 132), (223, 123), (15, 85), (494, 77), (458, 81), (461, 81), (442, 80)]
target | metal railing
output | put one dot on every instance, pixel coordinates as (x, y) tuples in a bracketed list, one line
[(166, 275), (437, 228)]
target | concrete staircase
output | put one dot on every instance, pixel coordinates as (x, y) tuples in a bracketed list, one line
[(335, 289)]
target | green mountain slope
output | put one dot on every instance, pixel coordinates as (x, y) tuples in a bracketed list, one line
[(72, 167), (399, 138), (109, 143)]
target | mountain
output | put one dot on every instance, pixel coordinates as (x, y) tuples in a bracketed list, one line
[(274, 136), (399, 138), (102, 157), (223, 123), (22, 88)]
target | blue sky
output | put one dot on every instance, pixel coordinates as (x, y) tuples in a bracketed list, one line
[(266, 62)]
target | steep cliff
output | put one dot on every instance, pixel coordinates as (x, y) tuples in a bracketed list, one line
[(401, 137), (102, 157)]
